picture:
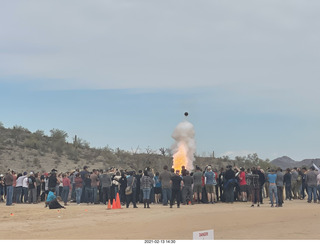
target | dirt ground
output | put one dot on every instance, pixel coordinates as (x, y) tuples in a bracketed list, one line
[(297, 220)]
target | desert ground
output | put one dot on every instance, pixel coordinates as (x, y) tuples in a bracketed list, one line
[(297, 220)]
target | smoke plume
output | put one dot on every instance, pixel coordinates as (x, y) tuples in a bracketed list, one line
[(184, 147)]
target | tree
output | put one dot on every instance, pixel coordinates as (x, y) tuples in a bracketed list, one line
[(18, 133), (58, 140), (58, 135), (35, 140), (163, 151), (226, 158)]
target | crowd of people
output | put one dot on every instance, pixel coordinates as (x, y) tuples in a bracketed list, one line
[(169, 187)]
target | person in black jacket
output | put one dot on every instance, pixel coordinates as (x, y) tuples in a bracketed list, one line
[(176, 188), (287, 184), (262, 180), (220, 183), (52, 181), (304, 185), (123, 185), (229, 183)]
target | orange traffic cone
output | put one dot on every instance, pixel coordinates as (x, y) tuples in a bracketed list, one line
[(114, 205), (109, 205), (118, 201)]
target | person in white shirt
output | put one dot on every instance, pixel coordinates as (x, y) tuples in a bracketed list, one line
[(19, 185), (25, 185)]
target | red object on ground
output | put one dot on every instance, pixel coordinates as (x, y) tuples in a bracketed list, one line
[(118, 201), (114, 205), (109, 205)]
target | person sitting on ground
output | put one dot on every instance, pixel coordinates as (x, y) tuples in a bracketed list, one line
[(52, 201)]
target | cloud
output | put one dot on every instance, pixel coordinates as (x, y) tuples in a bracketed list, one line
[(160, 44)]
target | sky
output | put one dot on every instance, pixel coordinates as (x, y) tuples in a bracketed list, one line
[(122, 73)]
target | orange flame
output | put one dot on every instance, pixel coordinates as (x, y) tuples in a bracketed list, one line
[(180, 157)]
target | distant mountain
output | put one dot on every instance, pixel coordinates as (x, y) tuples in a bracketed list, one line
[(286, 162)]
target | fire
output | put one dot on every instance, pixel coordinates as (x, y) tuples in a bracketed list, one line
[(180, 157)]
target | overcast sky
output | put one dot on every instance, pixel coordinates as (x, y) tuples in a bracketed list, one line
[(122, 73)]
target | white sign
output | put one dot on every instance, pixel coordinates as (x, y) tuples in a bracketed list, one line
[(203, 235)]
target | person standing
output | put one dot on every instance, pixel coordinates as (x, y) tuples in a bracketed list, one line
[(165, 179), (294, 183), (1, 187), (73, 190), (262, 183), (131, 181), (176, 189), (318, 186), (53, 181), (25, 188), (8, 180), (255, 186), (94, 185), (220, 182), (44, 186), (303, 184), (32, 193), (151, 174), (157, 188), (14, 183), (59, 186), (146, 183), (105, 181), (272, 178), (229, 179), (210, 180), (19, 183), (66, 188), (88, 190), (139, 196), (187, 188), (279, 183), (243, 184), (287, 184), (299, 182), (38, 185), (197, 184), (78, 187), (83, 175), (311, 181), (123, 185), (116, 184)]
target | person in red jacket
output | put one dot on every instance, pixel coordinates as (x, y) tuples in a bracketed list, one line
[(243, 185), (66, 188)]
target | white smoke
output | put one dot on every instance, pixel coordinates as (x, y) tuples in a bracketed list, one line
[(184, 135)]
